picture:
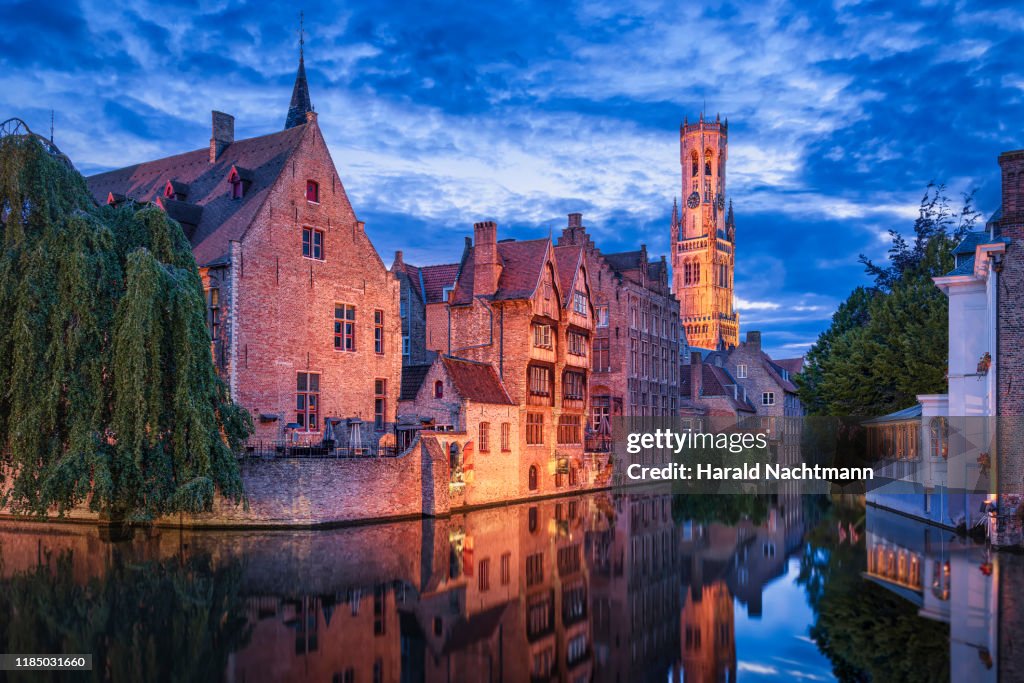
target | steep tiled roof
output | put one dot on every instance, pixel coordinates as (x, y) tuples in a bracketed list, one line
[(715, 381), (775, 371), (476, 381), (223, 219), (436, 278), (412, 380), (794, 366), (625, 260), (568, 259), (521, 269)]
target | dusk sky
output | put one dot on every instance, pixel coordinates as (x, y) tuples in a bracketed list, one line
[(439, 115)]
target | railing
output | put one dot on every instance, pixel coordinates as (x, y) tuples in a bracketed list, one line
[(598, 444), (288, 449)]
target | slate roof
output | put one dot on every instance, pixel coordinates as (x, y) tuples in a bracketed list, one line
[(624, 260), (794, 366), (965, 250), (965, 267), (223, 219), (521, 263), (775, 370), (476, 381), (412, 380), (715, 381), (911, 413)]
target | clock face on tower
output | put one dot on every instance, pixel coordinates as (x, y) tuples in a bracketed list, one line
[(693, 200)]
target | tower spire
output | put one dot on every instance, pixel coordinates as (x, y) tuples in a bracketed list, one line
[(675, 215), (300, 104)]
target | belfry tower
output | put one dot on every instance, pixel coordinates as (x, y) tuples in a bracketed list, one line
[(704, 237)]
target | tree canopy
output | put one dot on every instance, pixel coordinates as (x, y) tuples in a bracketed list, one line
[(888, 341), (108, 393)]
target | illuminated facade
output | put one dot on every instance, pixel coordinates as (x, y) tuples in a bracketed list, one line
[(703, 238)]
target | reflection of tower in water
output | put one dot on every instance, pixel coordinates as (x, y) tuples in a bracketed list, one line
[(707, 645)]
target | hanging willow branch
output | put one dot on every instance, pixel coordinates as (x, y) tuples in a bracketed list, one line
[(108, 394)]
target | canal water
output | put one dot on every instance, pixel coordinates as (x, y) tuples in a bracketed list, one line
[(617, 588)]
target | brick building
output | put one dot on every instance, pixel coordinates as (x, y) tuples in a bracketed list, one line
[(303, 313), (635, 358), (742, 381), (703, 238), (462, 398), (423, 307), (525, 308)]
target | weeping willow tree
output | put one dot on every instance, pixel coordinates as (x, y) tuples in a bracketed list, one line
[(108, 394)]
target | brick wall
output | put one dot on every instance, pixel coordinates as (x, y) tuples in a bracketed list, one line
[(283, 322), (1010, 357)]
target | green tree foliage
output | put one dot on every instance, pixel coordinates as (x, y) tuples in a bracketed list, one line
[(108, 394), (171, 620), (888, 342), (868, 632)]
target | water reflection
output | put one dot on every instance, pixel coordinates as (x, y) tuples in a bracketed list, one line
[(595, 588)]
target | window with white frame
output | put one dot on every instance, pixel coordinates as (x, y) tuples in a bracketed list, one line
[(768, 398), (542, 336), (741, 371)]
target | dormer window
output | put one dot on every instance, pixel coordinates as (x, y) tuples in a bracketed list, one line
[(240, 179), (313, 191), (176, 190)]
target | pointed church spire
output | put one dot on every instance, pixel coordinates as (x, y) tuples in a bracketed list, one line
[(729, 220), (675, 214), (300, 104)]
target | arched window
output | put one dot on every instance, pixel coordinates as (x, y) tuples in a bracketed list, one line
[(696, 273), (438, 389), (707, 162), (695, 163), (533, 477)]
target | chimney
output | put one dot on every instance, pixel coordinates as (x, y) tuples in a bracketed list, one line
[(399, 262), (486, 266), (696, 375), (754, 340), (223, 134), (1011, 165), (575, 220)]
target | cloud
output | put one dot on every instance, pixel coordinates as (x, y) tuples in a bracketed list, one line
[(839, 114)]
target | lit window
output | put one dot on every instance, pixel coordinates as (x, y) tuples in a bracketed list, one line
[(380, 402), (313, 243), (313, 191), (307, 401), (344, 327)]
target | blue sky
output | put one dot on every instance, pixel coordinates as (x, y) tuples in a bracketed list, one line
[(442, 114)]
